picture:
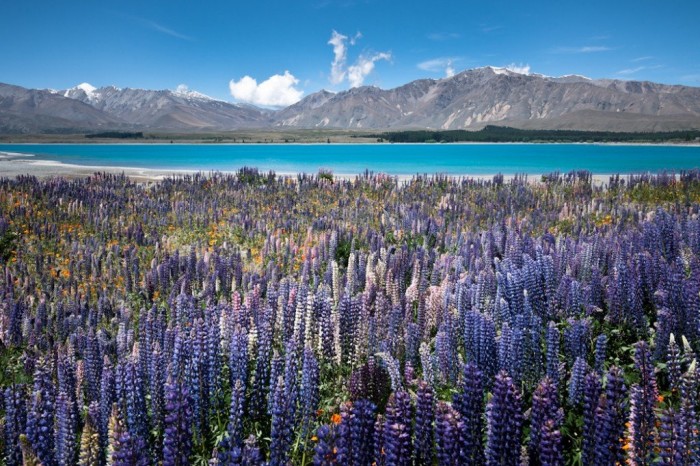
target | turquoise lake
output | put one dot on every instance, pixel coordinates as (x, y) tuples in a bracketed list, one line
[(395, 159)]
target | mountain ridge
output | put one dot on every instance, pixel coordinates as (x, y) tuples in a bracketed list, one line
[(468, 100)]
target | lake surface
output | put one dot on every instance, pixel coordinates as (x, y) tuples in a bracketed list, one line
[(395, 159)]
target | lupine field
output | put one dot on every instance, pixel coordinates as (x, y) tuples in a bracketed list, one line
[(251, 319)]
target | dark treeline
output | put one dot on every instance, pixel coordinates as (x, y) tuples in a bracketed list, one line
[(116, 135), (506, 134)]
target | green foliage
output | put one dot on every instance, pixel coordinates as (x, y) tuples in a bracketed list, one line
[(505, 134), (8, 244)]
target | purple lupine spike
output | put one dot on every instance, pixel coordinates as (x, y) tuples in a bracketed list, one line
[(356, 433), (15, 423), (576, 382), (424, 425), (379, 453), (610, 420), (122, 450), (238, 357), (136, 413), (601, 345), (177, 437), (398, 432), (591, 393), (309, 391), (448, 430), (545, 408), (236, 413), (670, 446), (673, 364), (469, 402), (553, 353), (261, 379), (325, 450), (551, 445), (65, 430), (40, 416), (643, 397), (281, 431), (504, 423), (107, 398)]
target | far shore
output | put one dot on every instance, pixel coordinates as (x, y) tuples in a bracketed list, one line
[(12, 167)]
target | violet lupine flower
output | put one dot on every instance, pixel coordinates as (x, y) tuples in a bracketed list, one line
[(398, 432), (122, 450), (673, 364), (236, 412), (469, 403), (379, 453), (281, 431), (545, 408), (177, 438), (15, 423), (671, 448), (591, 394), (424, 426), (309, 390), (261, 378), (448, 430), (107, 398), (610, 418), (504, 423), (643, 398), (553, 353), (356, 434), (576, 382), (40, 417), (65, 433), (550, 445), (601, 344), (325, 451)]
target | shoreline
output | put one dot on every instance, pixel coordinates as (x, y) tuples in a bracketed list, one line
[(24, 165)]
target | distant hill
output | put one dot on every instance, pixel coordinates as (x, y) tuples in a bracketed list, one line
[(469, 100)]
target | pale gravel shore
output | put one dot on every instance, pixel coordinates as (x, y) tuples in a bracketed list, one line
[(12, 165)]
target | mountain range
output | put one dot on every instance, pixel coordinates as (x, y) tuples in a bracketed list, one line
[(471, 99)]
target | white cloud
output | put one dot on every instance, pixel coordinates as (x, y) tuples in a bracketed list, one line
[(340, 52), (584, 49), (363, 67), (277, 91), (439, 65), (518, 68)]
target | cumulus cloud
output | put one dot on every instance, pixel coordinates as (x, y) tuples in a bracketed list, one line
[(357, 72), (518, 68), (340, 52), (439, 65), (363, 67), (277, 91)]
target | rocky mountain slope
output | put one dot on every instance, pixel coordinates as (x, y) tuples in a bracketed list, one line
[(475, 98), (471, 99)]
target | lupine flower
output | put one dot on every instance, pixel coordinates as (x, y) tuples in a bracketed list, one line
[(398, 431), (576, 382), (65, 431), (177, 440), (424, 426), (281, 433), (356, 434), (40, 416), (591, 394), (448, 430), (15, 423), (643, 398), (504, 423), (469, 403), (545, 408), (324, 451), (610, 420)]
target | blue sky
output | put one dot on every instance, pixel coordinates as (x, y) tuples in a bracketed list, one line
[(272, 53)]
